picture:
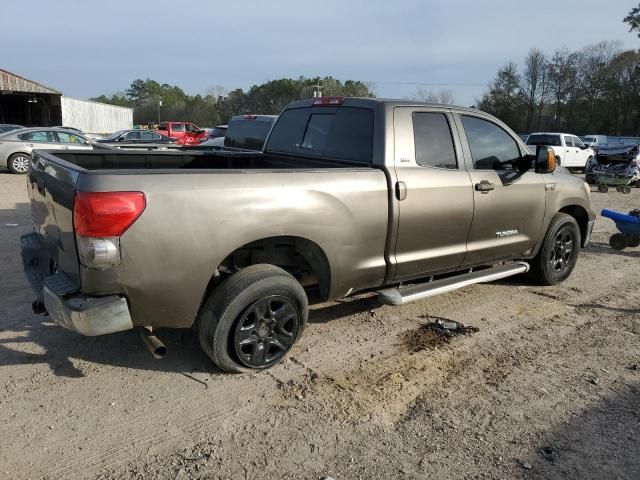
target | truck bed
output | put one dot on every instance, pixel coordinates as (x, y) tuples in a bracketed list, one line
[(190, 160)]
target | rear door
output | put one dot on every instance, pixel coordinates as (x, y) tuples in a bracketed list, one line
[(509, 206), (436, 213)]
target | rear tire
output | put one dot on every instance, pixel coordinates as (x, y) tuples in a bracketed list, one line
[(18, 163), (603, 188), (559, 252), (626, 190), (252, 319), (633, 241)]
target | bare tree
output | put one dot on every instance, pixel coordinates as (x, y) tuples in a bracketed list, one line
[(443, 95), (532, 82)]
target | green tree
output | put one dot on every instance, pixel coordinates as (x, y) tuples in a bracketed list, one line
[(633, 20), (504, 96)]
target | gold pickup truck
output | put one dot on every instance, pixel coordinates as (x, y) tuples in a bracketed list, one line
[(348, 194)]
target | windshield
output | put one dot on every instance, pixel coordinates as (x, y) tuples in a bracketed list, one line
[(544, 139), (247, 133), (114, 135)]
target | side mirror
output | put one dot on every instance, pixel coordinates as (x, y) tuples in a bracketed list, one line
[(545, 159)]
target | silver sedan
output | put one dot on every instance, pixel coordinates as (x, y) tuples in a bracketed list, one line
[(16, 146)]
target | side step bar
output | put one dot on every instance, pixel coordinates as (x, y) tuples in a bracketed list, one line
[(400, 296)]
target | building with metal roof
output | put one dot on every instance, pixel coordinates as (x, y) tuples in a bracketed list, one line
[(31, 103)]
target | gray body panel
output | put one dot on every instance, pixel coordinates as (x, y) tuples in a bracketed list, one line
[(195, 218)]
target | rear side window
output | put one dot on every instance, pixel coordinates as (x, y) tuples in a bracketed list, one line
[(247, 133), (344, 133), (491, 147), (433, 141), (37, 137), (568, 141)]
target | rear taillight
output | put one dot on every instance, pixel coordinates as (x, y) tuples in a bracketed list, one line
[(328, 101), (99, 219), (106, 214)]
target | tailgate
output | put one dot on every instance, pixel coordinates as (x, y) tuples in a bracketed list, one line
[(51, 186)]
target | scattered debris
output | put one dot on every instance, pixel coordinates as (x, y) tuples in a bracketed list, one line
[(10, 224), (548, 454), (435, 333), (594, 381), (527, 466), (188, 375), (633, 366)]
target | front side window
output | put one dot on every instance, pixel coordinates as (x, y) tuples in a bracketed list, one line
[(433, 141), (65, 137), (491, 147), (177, 127), (568, 141), (37, 137), (577, 142)]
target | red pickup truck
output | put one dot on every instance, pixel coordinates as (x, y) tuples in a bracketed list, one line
[(185, 133)]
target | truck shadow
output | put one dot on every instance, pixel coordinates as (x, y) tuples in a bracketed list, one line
[(598, 248), (601, 442)]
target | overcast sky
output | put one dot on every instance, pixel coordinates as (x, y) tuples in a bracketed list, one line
[(85, 48)]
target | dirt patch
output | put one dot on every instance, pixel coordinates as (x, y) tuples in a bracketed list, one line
[(434, 334), (368, 393)]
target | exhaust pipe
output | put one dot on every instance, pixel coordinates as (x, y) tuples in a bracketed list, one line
[(153, 343)]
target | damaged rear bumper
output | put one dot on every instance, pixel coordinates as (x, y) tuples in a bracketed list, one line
[(62, 300)]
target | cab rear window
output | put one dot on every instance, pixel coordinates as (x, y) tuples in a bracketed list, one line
[(343, 133)]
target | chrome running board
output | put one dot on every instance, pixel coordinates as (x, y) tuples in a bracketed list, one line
[(400, 296)]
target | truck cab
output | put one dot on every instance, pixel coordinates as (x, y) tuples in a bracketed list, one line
[(570, 151), (185, 133)]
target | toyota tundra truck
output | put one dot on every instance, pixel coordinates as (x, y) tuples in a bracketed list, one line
[(348, 195)]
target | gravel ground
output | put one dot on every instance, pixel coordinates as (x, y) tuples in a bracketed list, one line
[(547, 387)]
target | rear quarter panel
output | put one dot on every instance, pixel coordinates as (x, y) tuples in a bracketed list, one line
[(194, 220)]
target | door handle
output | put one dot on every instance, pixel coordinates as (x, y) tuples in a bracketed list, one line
[(401, 190), (484, 186)]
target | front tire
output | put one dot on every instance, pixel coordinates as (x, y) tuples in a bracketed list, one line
[(559, 252), (253, 319), (18, 163)]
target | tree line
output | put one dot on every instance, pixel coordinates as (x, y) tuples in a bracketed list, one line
[(592, 90), (217, 106)]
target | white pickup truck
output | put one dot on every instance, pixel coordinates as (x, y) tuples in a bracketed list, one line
[(570, 151)]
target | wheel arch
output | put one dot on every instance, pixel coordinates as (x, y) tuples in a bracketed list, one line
[(299, 256), (580, 215)]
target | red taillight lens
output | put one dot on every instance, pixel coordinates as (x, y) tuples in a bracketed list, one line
[(106, 214), (328, 101)]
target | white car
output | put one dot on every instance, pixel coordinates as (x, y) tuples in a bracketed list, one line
[(569, 149), (16, 146)]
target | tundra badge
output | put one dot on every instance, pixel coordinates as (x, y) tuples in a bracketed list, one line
[(506, 233)]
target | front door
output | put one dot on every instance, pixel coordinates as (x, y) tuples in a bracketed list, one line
[(509, 206), (434, 193)]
